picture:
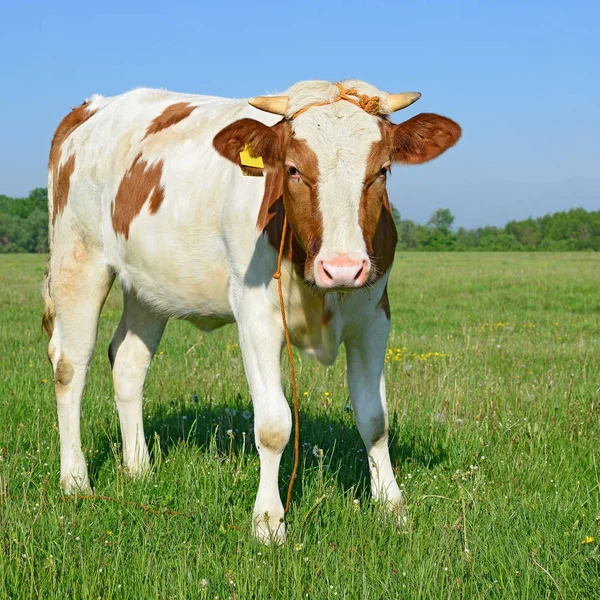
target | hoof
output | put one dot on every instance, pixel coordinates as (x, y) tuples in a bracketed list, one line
[(270, 530), (398, 514), (137, 470), (73, 474), (71, 486)]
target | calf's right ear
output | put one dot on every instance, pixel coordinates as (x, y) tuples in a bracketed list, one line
[(260, 139)]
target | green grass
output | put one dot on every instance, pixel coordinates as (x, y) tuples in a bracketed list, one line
[(494, 440)]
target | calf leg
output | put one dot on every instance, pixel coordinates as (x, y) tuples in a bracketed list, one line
[(130, 353), (365, 359), (261, 340), (79, 283)]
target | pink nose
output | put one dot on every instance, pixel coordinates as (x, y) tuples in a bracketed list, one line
[(342, 271)]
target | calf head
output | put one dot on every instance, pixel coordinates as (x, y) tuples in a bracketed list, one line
[(327, 163)]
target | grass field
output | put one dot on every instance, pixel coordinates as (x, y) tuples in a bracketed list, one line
[(494, 396)]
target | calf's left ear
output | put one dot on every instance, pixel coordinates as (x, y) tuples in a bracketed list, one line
[(261, 140), (423, 138)]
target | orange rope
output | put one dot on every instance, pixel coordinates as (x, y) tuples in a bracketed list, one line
[(277, 276), (367, 103)]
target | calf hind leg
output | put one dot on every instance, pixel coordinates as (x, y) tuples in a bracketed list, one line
[(78, 282), (130, 353)]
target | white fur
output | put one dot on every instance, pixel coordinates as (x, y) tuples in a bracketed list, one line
[(200, 258)]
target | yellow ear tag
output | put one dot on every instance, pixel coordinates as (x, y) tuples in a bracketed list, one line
[(248, 160)]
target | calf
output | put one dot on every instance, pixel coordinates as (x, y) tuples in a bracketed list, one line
[(183, 198)]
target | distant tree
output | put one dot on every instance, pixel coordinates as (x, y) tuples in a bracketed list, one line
[(441, 221), (528, 232), (467, 239), (408, 235), (24, 222), (439, 235)]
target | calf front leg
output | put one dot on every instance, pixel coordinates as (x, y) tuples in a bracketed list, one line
[(261, 340), (365, 352)]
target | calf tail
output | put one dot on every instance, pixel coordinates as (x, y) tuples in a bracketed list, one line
[(49, 313)]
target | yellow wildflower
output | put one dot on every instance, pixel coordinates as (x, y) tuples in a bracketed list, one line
[(589, 539)]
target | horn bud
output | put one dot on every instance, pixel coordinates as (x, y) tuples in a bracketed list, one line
[(271, 104), (400, 101)]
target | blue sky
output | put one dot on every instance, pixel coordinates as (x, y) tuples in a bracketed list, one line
[(520, 77)]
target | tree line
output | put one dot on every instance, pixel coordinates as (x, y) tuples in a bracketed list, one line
[(575, 229), (24, 228)]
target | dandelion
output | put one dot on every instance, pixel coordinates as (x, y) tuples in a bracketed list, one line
[(246, 414), (298, 547), (231, 412), (589, 539), (317, 452)]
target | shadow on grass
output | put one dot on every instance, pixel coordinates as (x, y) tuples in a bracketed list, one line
[(217, 427)]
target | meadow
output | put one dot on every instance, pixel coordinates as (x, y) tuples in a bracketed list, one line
[(494, 398)]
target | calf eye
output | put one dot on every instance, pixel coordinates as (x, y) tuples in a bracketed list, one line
[(383, 173), (294, 174)]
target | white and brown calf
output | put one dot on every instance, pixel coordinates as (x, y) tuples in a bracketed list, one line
[(147, 186)]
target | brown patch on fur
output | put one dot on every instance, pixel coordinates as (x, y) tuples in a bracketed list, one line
[(299, 200), (64, 372), (140, 183), (67, 126), (384, 304), (60, 179), (61, 185), (383, 248), (170, 116), (423, 138), (273, 192), (375, 213), (273, 438)]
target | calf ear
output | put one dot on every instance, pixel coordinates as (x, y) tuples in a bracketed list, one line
[(423, 137), (264, 141)]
